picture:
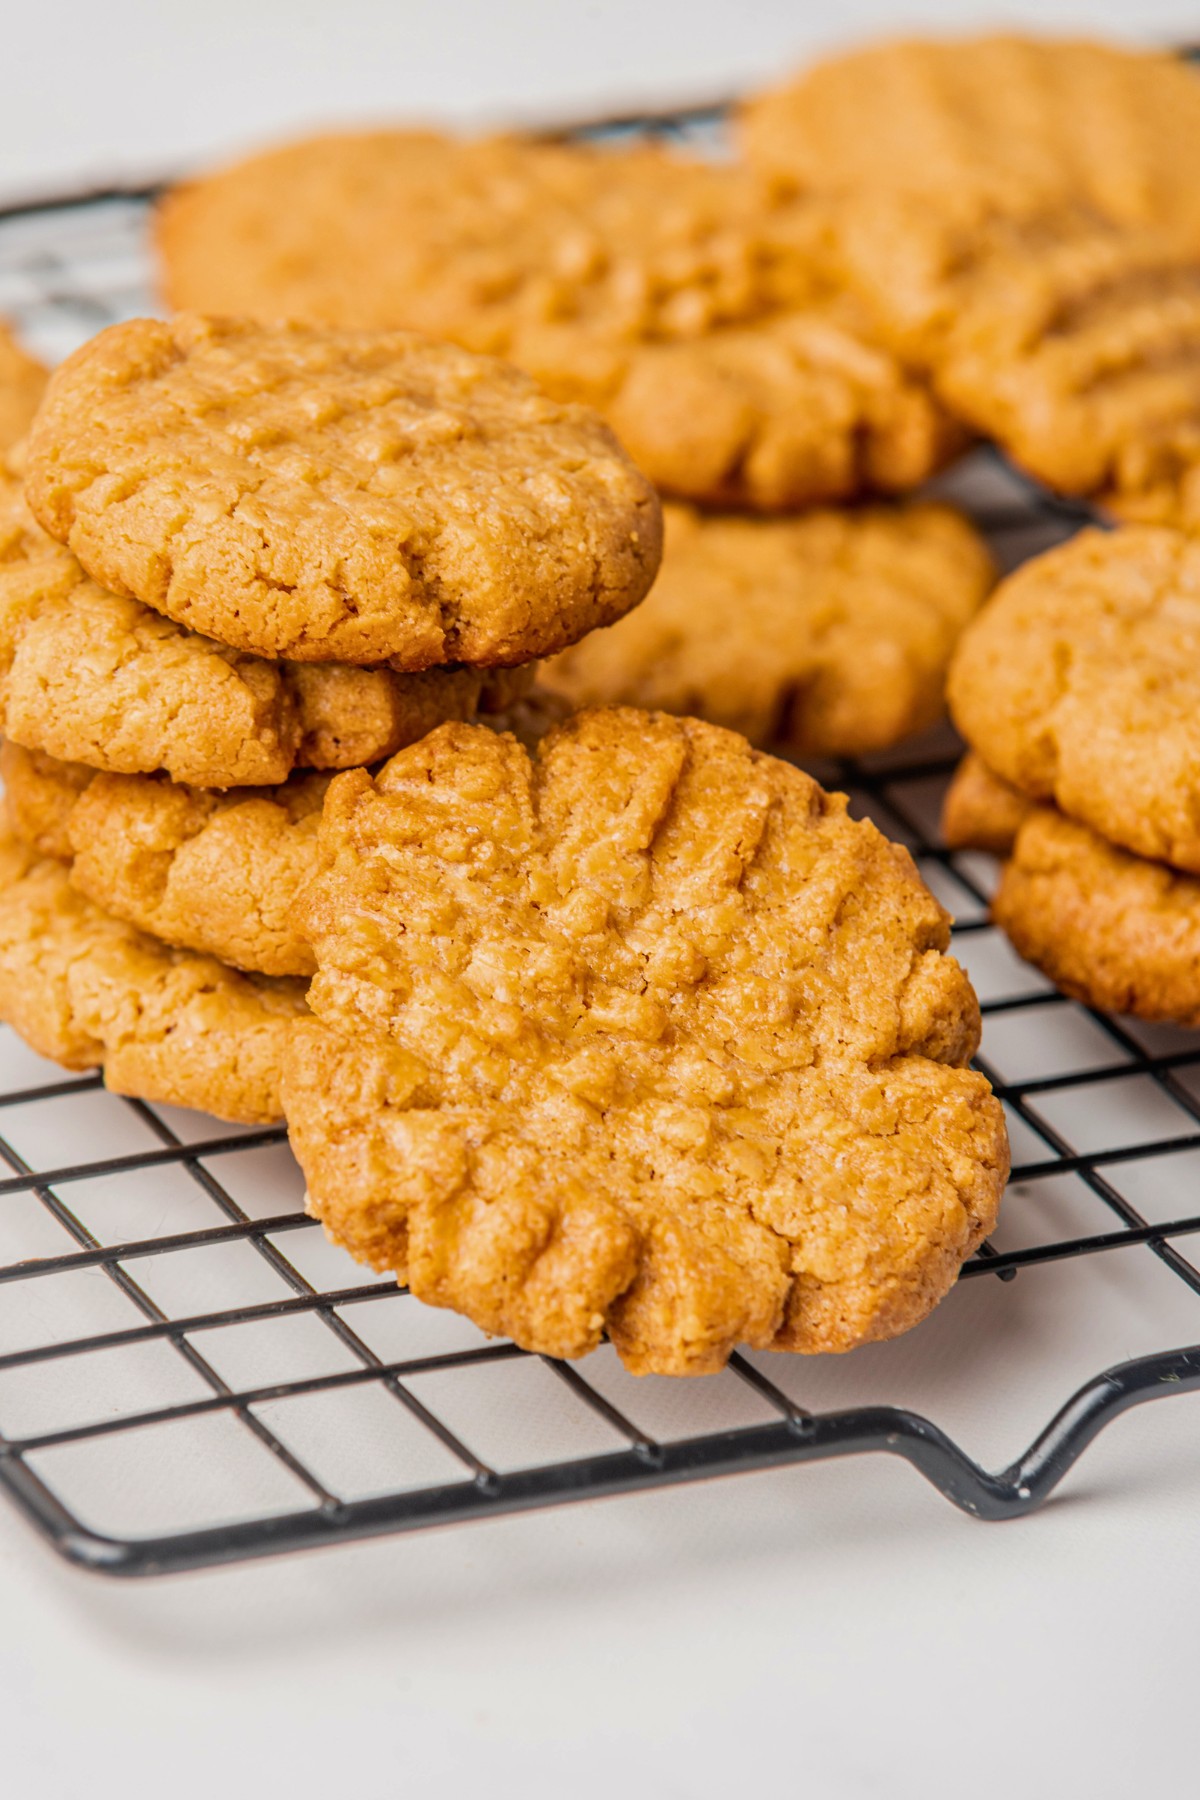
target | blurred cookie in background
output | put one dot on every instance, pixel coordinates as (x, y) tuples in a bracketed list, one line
[(1021, 220), (691, 303), (1001, 119), (827, 635)]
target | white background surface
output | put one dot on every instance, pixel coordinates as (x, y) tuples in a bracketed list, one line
[(838, 1630), (138, 85)]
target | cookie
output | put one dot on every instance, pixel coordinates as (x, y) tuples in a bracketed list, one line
[(22, 384), (40, 796), (214, 872), (339, 496), (643, 1035), (981, 811), (1079, 683), (1116, 931), (217, 873), (830, 633), (1070, 341), (1022, 223), (1077, 348), (1002, 118), (686, 300), (88, 991), (89, 677)]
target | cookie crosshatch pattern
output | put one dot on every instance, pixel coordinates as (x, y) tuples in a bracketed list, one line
[(190, 1374)]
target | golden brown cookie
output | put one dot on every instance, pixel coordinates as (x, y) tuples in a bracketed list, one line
[(339, 496), (40, 796), (1114, 930), (643, 1035), (1079, 683), (88, 991), (1072, 342), (1077, 347), (1022, 222), (687, 301), (22, 384), (205, 871), (1000, 117), (981, 811), (829, 634), (89, 677)]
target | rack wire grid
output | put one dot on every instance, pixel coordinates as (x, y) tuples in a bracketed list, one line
[(190, 1374)]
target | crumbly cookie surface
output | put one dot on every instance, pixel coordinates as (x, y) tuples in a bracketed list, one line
[(89, 677), (1114, 930), (642, 1035), (688, 302), (1080, 683), (1001, 117), (339, 496), (830, 634), (217, 873), (89, 991), (22, 384), (982, 811)]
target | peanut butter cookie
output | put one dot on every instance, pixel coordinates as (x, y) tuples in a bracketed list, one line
[(1114, 930), (1072, 342), (643, 1034), (22, 384), (1117, 931), (1021, 219), (205, 871), (339, 496), (981, 811), (90, 992), (688, 302), (1002, 118), (1080, 683), (89, 677), (829, 634)]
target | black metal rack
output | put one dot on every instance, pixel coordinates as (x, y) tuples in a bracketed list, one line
[(134, 1277)]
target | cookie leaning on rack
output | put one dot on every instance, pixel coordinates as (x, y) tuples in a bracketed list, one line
[(672, 1049)]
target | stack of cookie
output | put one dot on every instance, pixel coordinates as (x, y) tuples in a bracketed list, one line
[(1012, 249), (233, 560), (629, 1028), (1077, 689), (696, 307)]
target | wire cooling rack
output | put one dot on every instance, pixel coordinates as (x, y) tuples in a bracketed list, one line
[(190, 1374)]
